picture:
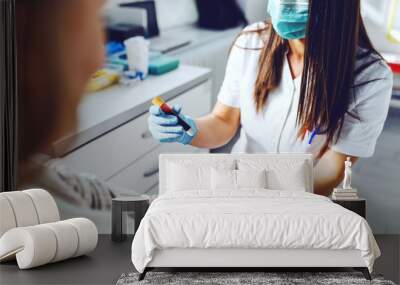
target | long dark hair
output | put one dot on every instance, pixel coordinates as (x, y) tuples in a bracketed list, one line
[(334, 35)]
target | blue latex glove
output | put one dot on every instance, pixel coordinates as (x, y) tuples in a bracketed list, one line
[(165, 128)]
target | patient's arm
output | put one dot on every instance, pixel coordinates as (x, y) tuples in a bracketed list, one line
[(217, 128), (329, 172)]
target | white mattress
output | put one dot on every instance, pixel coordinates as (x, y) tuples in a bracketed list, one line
[(251, 219)]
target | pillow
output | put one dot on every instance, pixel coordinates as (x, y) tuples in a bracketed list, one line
[(182, 178), (237, 179), (184, 174), (282, 174), (223, 179), (291, 179), (251, 178)]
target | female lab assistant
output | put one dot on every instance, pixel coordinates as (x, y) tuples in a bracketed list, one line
[(309, 81)]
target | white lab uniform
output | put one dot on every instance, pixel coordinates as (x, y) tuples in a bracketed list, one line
[(275, 129)]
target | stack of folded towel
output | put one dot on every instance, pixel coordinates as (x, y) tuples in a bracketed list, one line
[(345, 194)]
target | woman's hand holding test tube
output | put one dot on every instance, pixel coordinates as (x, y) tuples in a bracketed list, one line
[(167, 127)]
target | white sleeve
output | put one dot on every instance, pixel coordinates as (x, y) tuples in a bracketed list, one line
[(359, 135), (229, 93)]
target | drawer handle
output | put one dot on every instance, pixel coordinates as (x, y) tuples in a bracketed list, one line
[(146, 135), (151, 172)]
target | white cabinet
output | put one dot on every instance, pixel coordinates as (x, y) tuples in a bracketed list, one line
[(128, 155), (142, 175), (112, 151)]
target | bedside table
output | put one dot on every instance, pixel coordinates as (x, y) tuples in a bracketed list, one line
[(357, 206), (126, 215)]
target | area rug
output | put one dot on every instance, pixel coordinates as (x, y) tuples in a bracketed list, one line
[(244, 278)]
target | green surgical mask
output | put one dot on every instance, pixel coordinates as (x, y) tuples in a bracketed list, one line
[(289, 17)]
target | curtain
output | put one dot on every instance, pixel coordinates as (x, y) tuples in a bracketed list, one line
[(8, 97)]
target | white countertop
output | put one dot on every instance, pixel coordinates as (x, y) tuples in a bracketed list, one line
[(105, 110)]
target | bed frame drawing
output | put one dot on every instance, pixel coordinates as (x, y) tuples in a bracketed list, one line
[(248, 259)]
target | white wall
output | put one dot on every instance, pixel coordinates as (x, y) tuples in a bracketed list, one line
[(170, 13), (255, 10), (113, 3), (173, 13), (376, 17)]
